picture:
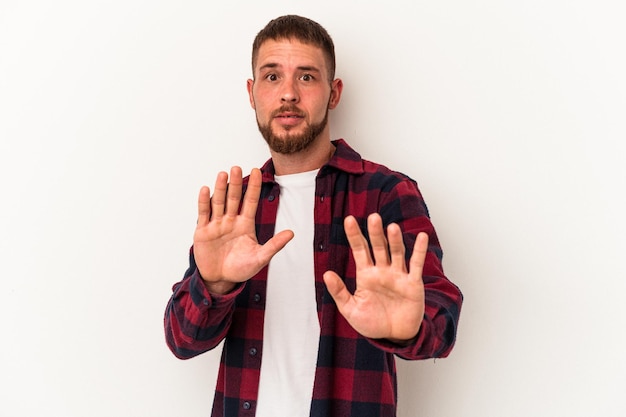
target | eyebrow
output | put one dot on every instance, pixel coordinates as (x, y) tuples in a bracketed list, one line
[(272, 65)]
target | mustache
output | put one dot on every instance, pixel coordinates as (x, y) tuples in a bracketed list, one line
[(286, 108)]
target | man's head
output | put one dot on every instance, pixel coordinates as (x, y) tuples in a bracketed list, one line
[(292, 88), (292, 27)]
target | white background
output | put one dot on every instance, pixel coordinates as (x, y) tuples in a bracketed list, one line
[(509, 114)]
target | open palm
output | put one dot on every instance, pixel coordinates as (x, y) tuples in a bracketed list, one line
[(226, 249), (389, 300)]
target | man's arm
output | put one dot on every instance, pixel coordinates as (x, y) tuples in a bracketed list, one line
[(196, 320), (225, 255), (405, 306)]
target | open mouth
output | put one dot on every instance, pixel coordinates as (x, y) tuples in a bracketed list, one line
[(289, 116), (289, 119)]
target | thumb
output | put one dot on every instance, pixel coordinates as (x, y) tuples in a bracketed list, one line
[(337, 289), (275, 244)]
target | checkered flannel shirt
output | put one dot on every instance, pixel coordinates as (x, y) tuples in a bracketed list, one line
[(355, 376)]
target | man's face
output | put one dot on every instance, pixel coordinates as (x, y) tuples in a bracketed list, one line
[(291, 94)]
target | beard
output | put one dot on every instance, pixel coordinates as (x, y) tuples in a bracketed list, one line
[(291, 143)]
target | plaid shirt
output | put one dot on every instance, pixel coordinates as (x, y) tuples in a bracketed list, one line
[(355, 376)]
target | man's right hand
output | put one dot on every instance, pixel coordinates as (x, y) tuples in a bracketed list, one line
[(226, 249)]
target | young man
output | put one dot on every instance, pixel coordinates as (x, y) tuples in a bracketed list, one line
[(311, 310)]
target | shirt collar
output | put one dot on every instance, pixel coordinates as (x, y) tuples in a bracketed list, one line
[(344, 159)]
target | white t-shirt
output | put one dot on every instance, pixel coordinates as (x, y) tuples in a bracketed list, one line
[(291, 328)]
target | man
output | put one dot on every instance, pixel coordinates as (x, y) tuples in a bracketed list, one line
[(314, 331)]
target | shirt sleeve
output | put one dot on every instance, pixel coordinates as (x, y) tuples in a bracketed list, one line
[(405, 206), (195, 320)]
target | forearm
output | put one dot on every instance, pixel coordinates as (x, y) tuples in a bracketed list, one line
[(442, 298), (437, 333), (195, 320)]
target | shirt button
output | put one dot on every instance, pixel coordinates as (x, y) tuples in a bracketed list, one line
[(246, 405), (257, 297), (252, 351), (205, 302), (322, 199), (271, 198)]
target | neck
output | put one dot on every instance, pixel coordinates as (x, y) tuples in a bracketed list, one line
[(314, 157)]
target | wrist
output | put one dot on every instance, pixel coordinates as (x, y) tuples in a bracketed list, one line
[(403, 343), (219, 287)]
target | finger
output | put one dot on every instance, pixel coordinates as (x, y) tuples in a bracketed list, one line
[(233, 196), (418, 257), (218, 199), (204, 206), (253, 191), (396, 247), (358, 243), (337, 289), (380, 248), (274, 245)]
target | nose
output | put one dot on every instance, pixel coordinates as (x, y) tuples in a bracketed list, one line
[(289, 93)]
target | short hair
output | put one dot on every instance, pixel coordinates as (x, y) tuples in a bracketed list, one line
[(299, 28)]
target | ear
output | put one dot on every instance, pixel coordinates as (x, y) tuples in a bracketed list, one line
[(249, 85), (336, 87)]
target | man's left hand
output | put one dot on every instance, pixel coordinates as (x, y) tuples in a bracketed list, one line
[(389, 300)]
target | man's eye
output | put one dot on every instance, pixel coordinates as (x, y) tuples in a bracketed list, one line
[(271, 77), (307, 77)]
